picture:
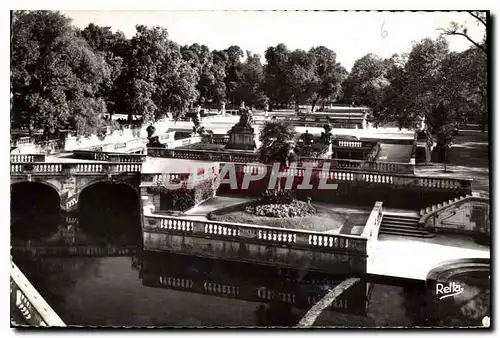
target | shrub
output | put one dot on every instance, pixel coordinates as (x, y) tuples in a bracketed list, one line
[(184, 198)]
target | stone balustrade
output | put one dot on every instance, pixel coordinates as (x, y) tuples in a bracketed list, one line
[(256, 234), (184, 142), (74, 168), (22, 140), (226, 156), (203, 155), (372, 227), (456, 214), (107, 156), (25, 158), (332, 174), (28, 303), (353, 144), (371, 177), (428, 211)]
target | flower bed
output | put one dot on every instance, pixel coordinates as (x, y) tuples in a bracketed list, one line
[(280, 204), (294, 209)]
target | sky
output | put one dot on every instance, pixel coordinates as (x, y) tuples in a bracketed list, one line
[(350, 34)]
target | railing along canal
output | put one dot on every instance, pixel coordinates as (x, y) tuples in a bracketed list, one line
[(256, 233), (29, 304)]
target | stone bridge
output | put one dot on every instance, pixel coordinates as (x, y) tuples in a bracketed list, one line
[(70, 179)]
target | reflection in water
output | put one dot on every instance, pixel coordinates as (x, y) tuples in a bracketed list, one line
[(469, 307)]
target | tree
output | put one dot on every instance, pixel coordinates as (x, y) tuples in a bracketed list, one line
[(446, 89), (329, 75), (276, 139), (276, 84), (249, 88), (365, 83), (211, 83), (416, 86), (301, 77), (393, 106), (115, 49), (162, 81), (277, 144), (234, 72), (55, 76)]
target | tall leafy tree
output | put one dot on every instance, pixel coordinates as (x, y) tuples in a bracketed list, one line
[(276, 83), (162, 81), (301, 76), (365, 83), (55, 75), (329, 75), (115, 48), (234, 72), (249, 88)]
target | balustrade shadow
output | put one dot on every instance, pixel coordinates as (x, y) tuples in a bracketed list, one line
[(34, 209)]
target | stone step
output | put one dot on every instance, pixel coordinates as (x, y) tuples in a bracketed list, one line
[(401, 217), (400, 226), (404, 234), (404, 229), (407, 222)]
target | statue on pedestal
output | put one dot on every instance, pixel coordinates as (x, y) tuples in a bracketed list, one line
[(154, 141), (242, 135), (223, 108)]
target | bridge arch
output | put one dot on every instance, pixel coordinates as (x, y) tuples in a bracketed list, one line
[(47, 183), (35, 208), (110, 209), (101, 180)]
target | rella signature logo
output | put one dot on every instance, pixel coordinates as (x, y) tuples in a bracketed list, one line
[(452, 289)]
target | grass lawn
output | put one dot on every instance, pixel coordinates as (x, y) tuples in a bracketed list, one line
[(467, 158), (325, 219)]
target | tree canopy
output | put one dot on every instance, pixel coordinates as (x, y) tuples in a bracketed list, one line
[(66, 78)]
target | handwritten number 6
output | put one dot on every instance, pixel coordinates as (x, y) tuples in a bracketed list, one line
[(383, 31)]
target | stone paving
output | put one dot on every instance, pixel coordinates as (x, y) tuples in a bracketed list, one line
[(413, 258)]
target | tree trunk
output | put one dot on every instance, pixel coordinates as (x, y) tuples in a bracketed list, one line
[(313, 104), (445, 149)]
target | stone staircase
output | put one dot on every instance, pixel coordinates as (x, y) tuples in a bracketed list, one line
[(443, 204), (406, 224), (403, 225)]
